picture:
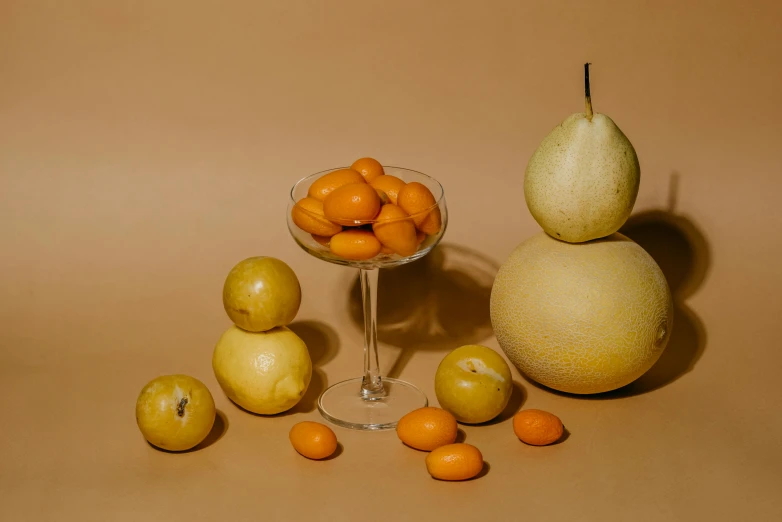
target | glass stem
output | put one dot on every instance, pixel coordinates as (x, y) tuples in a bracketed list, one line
[(372, 384)]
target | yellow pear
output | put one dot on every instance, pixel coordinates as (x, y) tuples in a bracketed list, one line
[(582, 181)]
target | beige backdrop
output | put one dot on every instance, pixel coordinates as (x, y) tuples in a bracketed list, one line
[(146, 147)]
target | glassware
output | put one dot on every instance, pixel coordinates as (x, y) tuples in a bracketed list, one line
[(370, 402)]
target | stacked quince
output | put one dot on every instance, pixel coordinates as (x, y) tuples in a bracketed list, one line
[(260, 364), (361, 212)]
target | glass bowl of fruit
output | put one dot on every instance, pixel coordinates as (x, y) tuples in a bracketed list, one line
[(368, 216)]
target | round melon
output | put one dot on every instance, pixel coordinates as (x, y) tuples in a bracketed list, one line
[(581, 318)]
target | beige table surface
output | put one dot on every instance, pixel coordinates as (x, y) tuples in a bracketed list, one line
[(146, 147)]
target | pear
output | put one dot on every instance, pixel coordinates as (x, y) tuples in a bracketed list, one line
[(582, 181)]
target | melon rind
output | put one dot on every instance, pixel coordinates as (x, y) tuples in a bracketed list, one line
[(581, 318)]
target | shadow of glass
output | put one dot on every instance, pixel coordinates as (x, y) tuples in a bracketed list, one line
[(683, 254), (439, 302), (217, 432)]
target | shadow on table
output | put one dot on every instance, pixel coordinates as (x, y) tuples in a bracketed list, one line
[(682, 251), (439, 302), (219, 428), (517, 398), (323, 344)]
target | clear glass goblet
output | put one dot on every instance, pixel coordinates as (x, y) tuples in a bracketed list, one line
[(370, 402)]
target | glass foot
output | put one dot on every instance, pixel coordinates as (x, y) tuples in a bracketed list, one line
[(343, 404)]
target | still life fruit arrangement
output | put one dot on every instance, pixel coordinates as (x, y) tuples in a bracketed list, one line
[(577, 308)]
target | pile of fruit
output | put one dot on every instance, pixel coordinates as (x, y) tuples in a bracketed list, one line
[(435, 430), (579, 307), (362, 212), (473, 385), (265, 368), (260, 364)]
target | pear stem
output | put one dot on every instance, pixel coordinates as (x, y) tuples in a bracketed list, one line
[(587, 92), (180, 409)]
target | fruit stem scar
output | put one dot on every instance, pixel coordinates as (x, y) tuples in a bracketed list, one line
[(180, 409), (587, 92), (471, 366), (661, 333)]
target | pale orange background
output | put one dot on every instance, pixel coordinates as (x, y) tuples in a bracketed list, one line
[(146, 147)]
